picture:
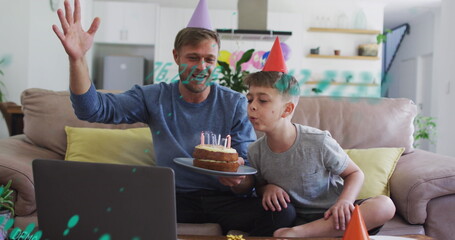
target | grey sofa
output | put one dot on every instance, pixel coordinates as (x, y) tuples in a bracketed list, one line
[(422, 185)]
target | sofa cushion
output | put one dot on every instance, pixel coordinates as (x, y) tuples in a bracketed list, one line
[(122, 146), (377, 164), (397, 226), (360, 122), (439, 224), (420, 177), (46, 113)]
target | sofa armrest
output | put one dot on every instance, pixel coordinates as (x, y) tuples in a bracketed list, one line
[(16, 156), (419, 177)]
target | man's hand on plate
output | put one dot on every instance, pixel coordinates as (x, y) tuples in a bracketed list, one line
[(234, 180)]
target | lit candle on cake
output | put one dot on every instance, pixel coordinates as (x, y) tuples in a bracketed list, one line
[(228, 141), (202, 138)]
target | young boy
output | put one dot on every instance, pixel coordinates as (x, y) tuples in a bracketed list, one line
[(303, 166)]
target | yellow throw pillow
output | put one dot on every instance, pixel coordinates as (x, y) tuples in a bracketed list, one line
[(378, 165), (121, 146)]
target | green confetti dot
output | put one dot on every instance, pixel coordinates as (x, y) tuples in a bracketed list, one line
[(109, 209), (37, 235), (234, 13), (169, 114), (136, 238), (9, 224), (30, 228), (73, 221), (146, 151), (122, 189), (181, 96), (95, 230), (134, 170), (158, 132), (105, 236), (14, 234)]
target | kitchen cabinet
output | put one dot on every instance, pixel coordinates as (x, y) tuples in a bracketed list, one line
[(126, 22)]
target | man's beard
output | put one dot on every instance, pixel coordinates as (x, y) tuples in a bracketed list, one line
[(201, 79), (195, 88)]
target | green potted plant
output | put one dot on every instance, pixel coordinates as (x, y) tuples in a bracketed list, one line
[(234, 79), (425, 128), (6, 207), (371, 49)]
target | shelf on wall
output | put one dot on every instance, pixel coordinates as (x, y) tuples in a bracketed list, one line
[(344, 30), (342, 83), (343, 57)]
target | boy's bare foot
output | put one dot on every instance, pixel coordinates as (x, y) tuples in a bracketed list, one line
[(285, 232)]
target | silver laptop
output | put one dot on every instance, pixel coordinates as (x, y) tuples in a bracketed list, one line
[(78, 200)]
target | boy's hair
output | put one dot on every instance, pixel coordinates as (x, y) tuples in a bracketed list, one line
[(286, 84), (193, 36)]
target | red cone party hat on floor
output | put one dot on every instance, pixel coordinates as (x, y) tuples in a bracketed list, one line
[(356, 229), (201, 18), (275, 61)]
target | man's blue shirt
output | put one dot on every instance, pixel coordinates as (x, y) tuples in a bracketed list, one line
[(176, 125)]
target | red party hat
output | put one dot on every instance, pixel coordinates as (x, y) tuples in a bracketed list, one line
[(356, 228), (275, 60)]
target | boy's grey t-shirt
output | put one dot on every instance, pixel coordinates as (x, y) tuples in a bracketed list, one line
[(308, 171)]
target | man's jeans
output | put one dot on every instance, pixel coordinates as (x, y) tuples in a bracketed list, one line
[(232, 212)]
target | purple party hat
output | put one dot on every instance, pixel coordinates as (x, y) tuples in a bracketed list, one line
[(201, 18)]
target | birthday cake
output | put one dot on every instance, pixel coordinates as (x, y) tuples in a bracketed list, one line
[(216, 157)]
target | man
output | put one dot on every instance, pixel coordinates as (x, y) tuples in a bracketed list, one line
[(176, 114)]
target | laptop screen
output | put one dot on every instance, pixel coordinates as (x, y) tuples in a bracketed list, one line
[(78, 200)]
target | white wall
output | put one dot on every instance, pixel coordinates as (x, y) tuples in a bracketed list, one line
[(444, 64), (347, 43), (47, 60), (13, 45), (429, 51), (37, 58), (405, 77), (14, 40), (411, 74)]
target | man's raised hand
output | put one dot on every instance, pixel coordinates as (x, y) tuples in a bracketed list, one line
[(74, 39)]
